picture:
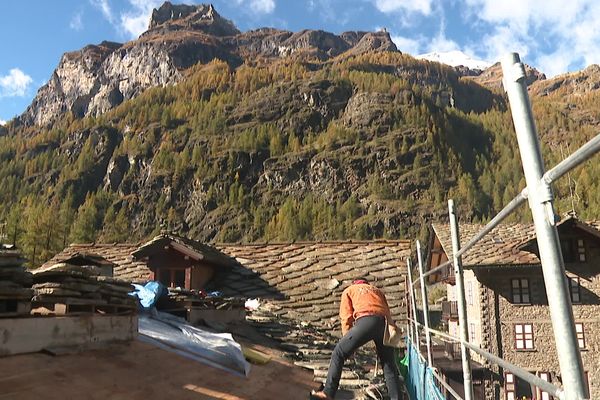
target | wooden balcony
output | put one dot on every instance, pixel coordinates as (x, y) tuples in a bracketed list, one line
[(452, 351), (447, 275), (449, 310)]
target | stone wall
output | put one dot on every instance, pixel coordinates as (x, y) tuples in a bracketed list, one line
[(499, 317)]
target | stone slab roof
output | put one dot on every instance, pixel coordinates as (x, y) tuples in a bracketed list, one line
[(502, 246), (300, 285), (307, 279), (120, 254)]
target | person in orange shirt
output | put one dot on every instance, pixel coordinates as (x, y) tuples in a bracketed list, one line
[(363, 313)]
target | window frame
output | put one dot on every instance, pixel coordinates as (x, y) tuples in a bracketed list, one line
[(575, 283), (472, 332), (580, 334), (523, 337), (540, 393), (520, 290), (469, 293), (510, 386), (573, 249)]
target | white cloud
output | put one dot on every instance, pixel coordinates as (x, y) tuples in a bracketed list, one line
[(261, 6), (15, 84), (76, 23), (2, 122), (442, 44), (407, 45), (104, 7), (390, 6), (556, 36)]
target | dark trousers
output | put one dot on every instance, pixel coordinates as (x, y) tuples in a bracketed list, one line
[(364, 329)]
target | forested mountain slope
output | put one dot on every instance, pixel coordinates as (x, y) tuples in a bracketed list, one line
[(340, 136)]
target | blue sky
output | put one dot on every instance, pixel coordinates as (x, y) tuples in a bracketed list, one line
[(552, 35)]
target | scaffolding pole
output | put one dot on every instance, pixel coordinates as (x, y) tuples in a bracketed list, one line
[(541, 203), (425, 304), (412, 301), (461, 302)]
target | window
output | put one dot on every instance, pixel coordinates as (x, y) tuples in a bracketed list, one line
[(581, 250), (573, 250), (509, 386), (524, 336), (515, 388), (469, 293), (580, 335), (171, 277), (520, 291), (541, 394), (575, 289), (587, 384), (472, 333)]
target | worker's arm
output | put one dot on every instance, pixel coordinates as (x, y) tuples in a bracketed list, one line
[(346, 313)]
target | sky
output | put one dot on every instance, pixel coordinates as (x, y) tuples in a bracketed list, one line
[(554, 36)]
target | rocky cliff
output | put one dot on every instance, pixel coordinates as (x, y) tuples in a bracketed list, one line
[(97, 78)]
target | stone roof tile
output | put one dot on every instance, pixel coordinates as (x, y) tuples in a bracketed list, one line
[(502, 246)]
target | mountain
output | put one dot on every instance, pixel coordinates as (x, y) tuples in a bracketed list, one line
[(97, 78), (455, 58), (491, 77), (270, 135)]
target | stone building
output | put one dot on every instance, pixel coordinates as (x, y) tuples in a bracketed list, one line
[(507, 304)]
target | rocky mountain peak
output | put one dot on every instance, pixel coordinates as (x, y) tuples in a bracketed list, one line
[(202, 17), (578, 83), (97, 78), (492, 77)]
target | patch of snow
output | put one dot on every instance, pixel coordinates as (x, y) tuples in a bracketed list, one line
[(455, 58)]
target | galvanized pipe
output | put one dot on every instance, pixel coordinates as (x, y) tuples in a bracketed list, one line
[(505, 212), (580, 156), (541, 204), (412, 301), (434, 270), (461, 302), (425, 304)]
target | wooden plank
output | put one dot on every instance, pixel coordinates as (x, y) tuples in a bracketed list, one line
[(29, 335), (61, 309)]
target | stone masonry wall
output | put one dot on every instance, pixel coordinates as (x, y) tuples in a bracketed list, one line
[(499, 316)]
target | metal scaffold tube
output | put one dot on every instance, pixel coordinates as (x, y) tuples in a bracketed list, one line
[(425, 304), (461, 302), (541, 203), (412, 301)]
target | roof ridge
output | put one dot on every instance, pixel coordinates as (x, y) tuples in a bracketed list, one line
[(313, 242)]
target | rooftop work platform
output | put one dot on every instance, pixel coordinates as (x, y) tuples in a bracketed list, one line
[(140, 371)]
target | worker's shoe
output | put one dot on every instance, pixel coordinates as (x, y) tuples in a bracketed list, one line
[(320, 395)]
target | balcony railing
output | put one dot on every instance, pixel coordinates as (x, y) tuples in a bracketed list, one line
[(452, 350), (448, 275), (449, 310)]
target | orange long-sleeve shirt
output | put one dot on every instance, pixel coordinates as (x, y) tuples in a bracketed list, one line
[(359, 300)]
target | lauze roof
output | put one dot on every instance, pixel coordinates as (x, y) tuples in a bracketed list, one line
[(305, 278), (505, 244)]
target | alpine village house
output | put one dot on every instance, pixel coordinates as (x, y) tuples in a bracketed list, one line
[(507, 304)]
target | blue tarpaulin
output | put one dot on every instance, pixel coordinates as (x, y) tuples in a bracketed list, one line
[(420, 381), (149, 293)]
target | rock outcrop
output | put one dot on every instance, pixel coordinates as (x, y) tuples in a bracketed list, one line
[(578, 83), (97, 78), (492, 76)]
